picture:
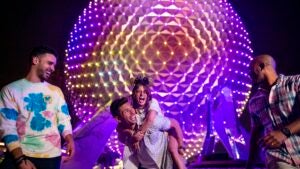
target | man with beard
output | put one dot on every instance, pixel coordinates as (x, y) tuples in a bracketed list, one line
[(33, 117)]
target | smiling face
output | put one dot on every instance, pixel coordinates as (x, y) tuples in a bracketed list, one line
[(140, 96), (44, 65), (127, 114)]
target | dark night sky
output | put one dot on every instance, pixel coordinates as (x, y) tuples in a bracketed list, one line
[(273, 27)]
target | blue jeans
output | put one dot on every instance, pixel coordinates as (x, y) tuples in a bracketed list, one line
[(40, 163)]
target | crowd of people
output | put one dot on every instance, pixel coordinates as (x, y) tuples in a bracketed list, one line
[(34, 120)]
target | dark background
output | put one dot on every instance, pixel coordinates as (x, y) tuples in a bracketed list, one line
[(273, 27)]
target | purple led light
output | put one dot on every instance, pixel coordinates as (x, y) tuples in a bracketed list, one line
[(195, 48)]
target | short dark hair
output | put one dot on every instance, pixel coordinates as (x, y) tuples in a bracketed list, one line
[(116, 104), (40, 50)]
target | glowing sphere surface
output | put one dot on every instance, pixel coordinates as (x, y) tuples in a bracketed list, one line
[(190, 48)]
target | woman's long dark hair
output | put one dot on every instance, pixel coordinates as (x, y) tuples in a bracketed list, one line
[(141, 81)]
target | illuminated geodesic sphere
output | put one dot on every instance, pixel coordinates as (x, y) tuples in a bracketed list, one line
[(190, 48)]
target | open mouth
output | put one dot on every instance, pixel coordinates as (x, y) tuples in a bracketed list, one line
[(48, 73), (141, 100), (133, 118)]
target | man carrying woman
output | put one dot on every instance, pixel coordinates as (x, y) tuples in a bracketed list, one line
[(141, 128)]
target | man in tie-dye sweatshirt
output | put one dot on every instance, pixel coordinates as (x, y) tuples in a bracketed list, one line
[(34, 116)]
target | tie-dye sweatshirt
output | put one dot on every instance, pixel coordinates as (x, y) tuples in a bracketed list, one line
[(34, 116)]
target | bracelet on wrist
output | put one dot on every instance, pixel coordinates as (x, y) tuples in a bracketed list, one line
[(286, 132), (20, 159)]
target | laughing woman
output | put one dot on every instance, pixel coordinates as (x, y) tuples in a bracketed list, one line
[(148, 114)]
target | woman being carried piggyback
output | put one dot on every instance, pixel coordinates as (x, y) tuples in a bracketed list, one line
[(149, 115)]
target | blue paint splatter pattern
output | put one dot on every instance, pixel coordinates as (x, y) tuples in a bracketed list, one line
[(10, 114), (64, 109), (36, 103)]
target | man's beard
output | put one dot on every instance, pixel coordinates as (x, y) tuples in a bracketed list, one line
[(42, 75)]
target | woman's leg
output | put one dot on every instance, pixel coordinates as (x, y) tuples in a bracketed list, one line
[(173, 149), (176, 132), (176, 144)]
